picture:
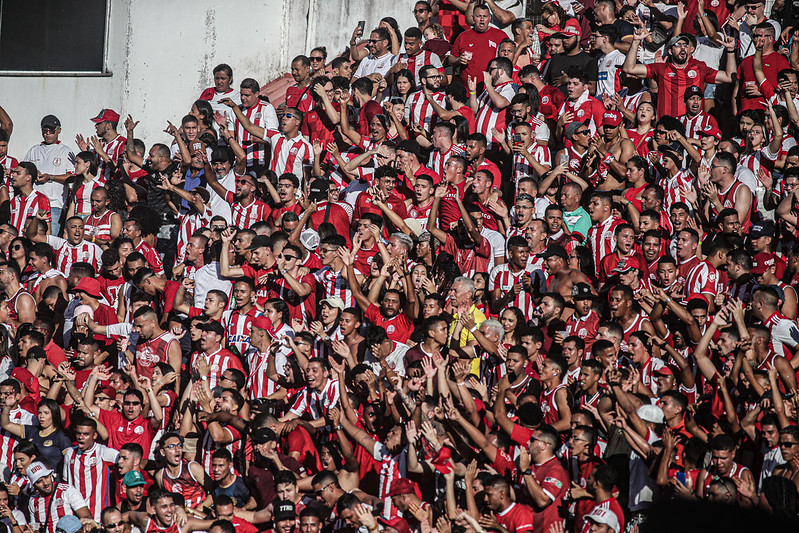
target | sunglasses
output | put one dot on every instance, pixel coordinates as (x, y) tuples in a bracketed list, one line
[(784, 444), (112, 526), (287, 257), (16, 247), (288, 115), (131, 403), (373, 41), (317, 58), (420, 10)]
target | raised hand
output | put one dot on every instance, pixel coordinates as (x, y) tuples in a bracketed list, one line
[(130, 125)]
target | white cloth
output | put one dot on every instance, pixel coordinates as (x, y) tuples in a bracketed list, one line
[(206, 279)]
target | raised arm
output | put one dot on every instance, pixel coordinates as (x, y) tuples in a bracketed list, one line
[(631, 65), (245, 122), (130, 149)]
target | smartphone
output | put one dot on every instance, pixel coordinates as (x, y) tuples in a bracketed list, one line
[(517, 139), (361, 25), (680, 476)]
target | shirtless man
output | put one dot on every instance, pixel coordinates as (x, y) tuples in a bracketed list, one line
[(561, 277), (42, 258), (609, 153)]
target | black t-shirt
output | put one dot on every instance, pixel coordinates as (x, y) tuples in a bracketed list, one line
[(157, 198), (624, 28), (52, 445), (560, 63)]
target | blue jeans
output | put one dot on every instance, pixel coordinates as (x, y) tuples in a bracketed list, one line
[(55, 223)]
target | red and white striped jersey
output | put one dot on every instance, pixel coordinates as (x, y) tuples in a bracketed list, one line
[(218, 362), (424, 57), (114, 148), (316, 403), (184, 484), (523, 168), (784, 334), (189, 223), (156, 350), (335, 284), (489, 115), (671, 186), (245, 216), (392, 468), (549, 407), (45, 511), (438, 159), (83, 195), (98, 226), (238, 326), (704, 278), (419, 111), (67, 254), (153, 258), (575, 159), (8, 441), (693, 125), (289, 155), (13, 314), (260, 386), (600, 238), (501, 277), (23, 207), (9, 163), (759, 158), (89, 472), (209, 446), (261, 114), (110, 289), (636, 325)]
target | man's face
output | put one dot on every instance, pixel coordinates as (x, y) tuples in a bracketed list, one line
[(50, 135), (248, 98), (20, 177), (431, 78), (131, 407), (619, 305), (547, 310), (597, 209), (165, 509), (144, 327), (299, 71), (667, 274), (722, 461), (75, 231), (377, 46), (679, 52), (286, 491), (135, 494), (731, 224), (310, 524), (686, 247), (191, 129), (126, 461), (651, 248), (172, 451), (587, 378), (431, 308), (482, 16), (694, 105), (220, 468), (412, 45), (45, 485), (506, 50), (625, 240), (99, 201), (222, 81), (112, 522), (679, 218), (3, 148), (575, 88), (85, 436)]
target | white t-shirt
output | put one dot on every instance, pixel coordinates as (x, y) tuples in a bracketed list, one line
[(56, 159), (218, 204), (371, 64), (207, 278)]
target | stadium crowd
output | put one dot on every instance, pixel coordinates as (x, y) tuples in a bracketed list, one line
[(484, 273)]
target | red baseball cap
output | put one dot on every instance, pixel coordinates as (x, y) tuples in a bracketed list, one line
[(611, 117), (106, 115), (668, 370), (762, 261), (90, 286), (261, 322), (24, 376), (441, 461), (710, 130), (627, 264), (571, 28), (402, 486)]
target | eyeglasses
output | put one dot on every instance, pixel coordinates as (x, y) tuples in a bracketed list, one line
[(373, 41), (320, 491), (16, 247), (681, 45), (312, 58), (287, 257), (752, 7), (131, 403), (173, 446), (434, 77), (660, 132), (112, 526)]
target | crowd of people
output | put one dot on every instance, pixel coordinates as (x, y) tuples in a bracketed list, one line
[(484, 273)]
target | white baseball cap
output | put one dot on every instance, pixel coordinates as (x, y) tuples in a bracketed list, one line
[(651, 413), (604, 516), (36, 471)]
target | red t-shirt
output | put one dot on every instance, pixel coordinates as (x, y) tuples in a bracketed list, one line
[(398, 328), (517, 518), (368, 111), (772, 64), (483, 47), (467, 113), (554, 481), (300, 440), (336, 216), (469, 260), (551, 101), (122, 431), (673, 81)]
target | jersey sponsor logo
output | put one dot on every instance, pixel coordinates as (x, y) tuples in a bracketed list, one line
[(558, 483), (492, 44)]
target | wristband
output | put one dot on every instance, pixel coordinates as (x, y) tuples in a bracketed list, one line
[(472, 93), (473, 329), (204, 378)]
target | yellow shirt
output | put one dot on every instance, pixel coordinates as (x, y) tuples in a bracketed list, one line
[(467, 336)]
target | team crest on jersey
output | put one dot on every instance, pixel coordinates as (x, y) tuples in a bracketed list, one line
[(692, 73), (214, 368), (59, 502), (257, 116), (139, 430), (582, 333), (294, 150), (91, 461), (390, 329), (47, 443), (580, 112), (714, 3), (57, 161), (545, 99)]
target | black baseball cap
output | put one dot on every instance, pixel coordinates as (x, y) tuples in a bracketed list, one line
[(582, 291), (259, 241), (262, 435), (554, 250), (318, 189), (214, 326), (51, 121)]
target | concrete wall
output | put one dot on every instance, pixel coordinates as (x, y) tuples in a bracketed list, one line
[(160, 56)]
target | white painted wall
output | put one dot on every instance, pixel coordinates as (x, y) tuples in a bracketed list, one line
[(160, 55)]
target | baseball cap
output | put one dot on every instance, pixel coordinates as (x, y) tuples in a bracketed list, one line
[(108, 390), (213, 326), (668, 370), (572, 128), (106, 115), (259, 241), (318, 190), (554, 250), (68, 524), (36, 471), (262, 435), (334, 301), (398, 523), (710, 130), (604, 516), (582, 291), (410, 146), (677, 38), (441, 460), (762, 261), (89, 286), (133, 479), (626, 264), (309, 239), (570, 29), (651, 413), (611, 117), (284, 510), (261, 322), (403, 486), (693, 90), (51, 121), (24, 376), (763, 229)]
